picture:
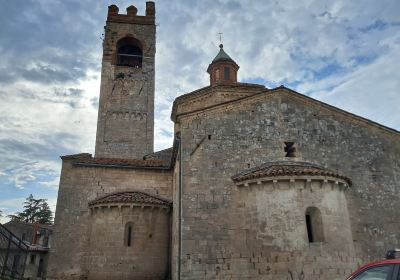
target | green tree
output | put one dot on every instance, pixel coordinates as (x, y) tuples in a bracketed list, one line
[(35, 211)]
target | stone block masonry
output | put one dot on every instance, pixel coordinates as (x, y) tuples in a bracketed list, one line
[(125, 126)]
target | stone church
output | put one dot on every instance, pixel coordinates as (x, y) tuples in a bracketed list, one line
[(260, 183)]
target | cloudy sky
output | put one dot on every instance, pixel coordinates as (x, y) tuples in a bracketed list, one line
[(345, 53)]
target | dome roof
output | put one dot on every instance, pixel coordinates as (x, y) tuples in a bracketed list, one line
[(222, 55), (130, 197), (287, 168)]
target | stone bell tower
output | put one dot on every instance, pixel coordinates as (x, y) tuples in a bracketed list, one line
[(125, 126)]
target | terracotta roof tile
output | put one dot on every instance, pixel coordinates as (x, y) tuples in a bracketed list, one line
[(31, 225), (127, 163), (286, 168), (222, 55), (165, 154), (77, 156), (135, 197)]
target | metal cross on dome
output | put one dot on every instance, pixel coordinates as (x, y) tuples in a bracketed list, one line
[(220, 36)]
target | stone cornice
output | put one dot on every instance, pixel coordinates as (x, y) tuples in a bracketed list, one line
[(288, 170), (131, 199), (236, 91)]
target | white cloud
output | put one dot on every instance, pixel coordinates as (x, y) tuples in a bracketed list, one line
[(52, 183), (22, 172), (370, 91), (341, 52), (8, 207), (281, 42)]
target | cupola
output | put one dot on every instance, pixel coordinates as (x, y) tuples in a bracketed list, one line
[(223, 69)]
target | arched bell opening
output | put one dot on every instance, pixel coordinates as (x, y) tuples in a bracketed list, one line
[(129, 52)]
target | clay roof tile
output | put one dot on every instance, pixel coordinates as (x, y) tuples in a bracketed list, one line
[(134, 197), (126, 163), (287, 168)]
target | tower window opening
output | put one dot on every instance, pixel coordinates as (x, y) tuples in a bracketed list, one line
[(309, 229), (32, 259), (227, 73), (128, 234), (314, 225), (217, 75), (290, 149), (129, 53)]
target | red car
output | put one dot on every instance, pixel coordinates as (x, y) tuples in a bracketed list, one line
[(388, 269)]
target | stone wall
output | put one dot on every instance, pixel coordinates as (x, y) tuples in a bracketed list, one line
[(313, 264), (275, 210), (221, 141), (79, 185), (147, 256)]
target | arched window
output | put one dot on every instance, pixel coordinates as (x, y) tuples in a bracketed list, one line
[(128, 235), (129, 53), (314, 225)]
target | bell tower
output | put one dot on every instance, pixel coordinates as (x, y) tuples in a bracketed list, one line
[(125, 125)]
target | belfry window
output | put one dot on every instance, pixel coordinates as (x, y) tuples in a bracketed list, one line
[(227, 73), (314, 225), (128, 234), (129, 53)]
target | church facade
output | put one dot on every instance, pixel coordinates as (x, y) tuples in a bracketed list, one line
[(259, 183)]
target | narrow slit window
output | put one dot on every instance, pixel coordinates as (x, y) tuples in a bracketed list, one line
[(128, 234), (309, 228), (314, 226)]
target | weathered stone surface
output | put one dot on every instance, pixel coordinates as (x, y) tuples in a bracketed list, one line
[(75, 240), (220, 218), (318, 222), (146, 258), (125, 126)]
